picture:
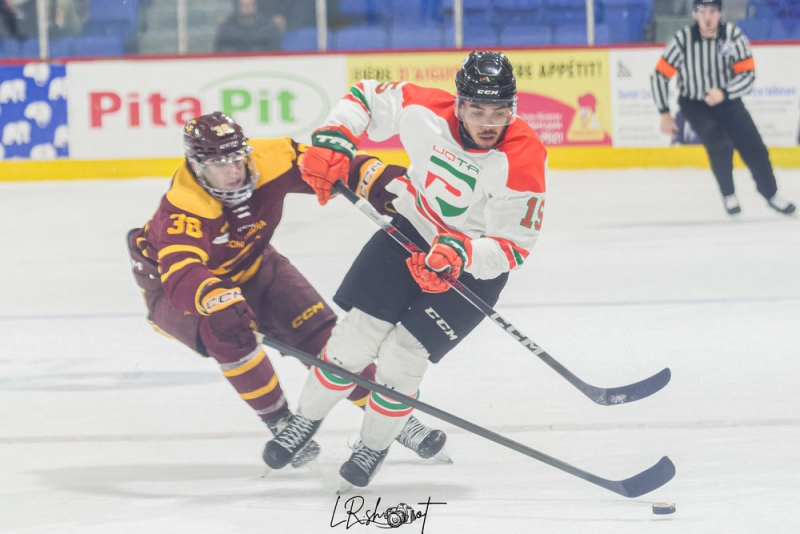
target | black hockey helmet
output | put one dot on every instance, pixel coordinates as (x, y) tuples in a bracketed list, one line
[(486, 77)]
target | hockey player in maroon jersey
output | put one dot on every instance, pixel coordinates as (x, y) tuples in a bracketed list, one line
[(210, 275)]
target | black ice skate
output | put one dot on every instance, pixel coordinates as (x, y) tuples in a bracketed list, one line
[(362, 465), (289, 444), (780, 204), (423, 440), (731, 204), (308, 454)]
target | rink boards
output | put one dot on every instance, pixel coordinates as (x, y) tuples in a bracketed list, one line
[(122, 118)]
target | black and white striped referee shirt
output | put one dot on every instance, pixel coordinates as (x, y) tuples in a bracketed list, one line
[(725, 62)]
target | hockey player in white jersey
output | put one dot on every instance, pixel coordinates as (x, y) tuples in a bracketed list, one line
[(472, 198)]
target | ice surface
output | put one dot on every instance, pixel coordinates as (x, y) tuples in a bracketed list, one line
[(106, 426)]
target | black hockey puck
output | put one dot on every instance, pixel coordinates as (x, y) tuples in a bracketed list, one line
[(662, 508)]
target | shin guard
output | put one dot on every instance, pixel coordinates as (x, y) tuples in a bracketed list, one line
[(401, 366), (353, 345)]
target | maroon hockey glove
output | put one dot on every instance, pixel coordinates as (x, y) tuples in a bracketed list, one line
[(229, 321), (215, 295), (145, 270)]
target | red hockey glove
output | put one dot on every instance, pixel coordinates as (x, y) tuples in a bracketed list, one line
[(328, 159), (448, 253), (230, 321)]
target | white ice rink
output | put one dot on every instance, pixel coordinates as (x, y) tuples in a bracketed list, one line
[(106, 426)]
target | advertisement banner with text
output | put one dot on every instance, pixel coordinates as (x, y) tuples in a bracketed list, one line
[(135, 109), (774, 102), (563, 94)]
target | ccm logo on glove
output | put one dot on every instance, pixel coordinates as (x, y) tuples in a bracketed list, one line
[(216, 296)]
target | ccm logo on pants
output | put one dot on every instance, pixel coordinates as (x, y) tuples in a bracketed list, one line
[(442, 324)]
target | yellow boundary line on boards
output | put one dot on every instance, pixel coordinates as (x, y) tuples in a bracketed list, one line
[(560, 158)]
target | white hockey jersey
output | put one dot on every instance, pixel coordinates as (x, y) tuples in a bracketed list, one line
[(495, 197)]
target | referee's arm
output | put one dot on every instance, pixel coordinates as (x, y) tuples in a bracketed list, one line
[(744, 67), (666, 69)]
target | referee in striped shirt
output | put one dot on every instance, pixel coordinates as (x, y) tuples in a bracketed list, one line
[(715, 69)]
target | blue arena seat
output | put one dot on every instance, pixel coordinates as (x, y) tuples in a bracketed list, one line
[(518, 11), (763, 9), (468, 5), (113, 9), (475, 11), (361, 38), (62, 47), (30, 48), (114, 18), (122, 11), (627, 19), (474, 35), (569, 34), (98, 45), (784, 30), (564, 12), (526, 34), (755, 29), (646, 5), (517, 4), (602, 34), (300, 39), (415, 11), (371, 10), (106, 27), (10, 48), (404, 36), (790, 9)]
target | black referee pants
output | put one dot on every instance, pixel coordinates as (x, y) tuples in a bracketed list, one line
[(723, 128)]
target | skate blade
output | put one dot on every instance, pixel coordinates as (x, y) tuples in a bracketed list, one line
[(442, 457), (344, 486), (267, 471)]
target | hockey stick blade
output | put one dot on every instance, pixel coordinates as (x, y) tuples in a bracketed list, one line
[(622, 394), (646, 481), (633, 392), (637, 485), (602, 396)]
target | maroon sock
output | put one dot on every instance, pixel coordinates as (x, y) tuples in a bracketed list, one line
[(257, 383), (360, 394)]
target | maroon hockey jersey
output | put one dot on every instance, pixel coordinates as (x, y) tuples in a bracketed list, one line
[(196, 240)]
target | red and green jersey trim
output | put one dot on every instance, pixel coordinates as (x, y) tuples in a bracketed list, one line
[(425, 210), (515, 255), (330, 380), (390, 407), (356, 95)]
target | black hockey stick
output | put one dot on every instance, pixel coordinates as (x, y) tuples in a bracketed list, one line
[(604, 396), (635, 486)]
